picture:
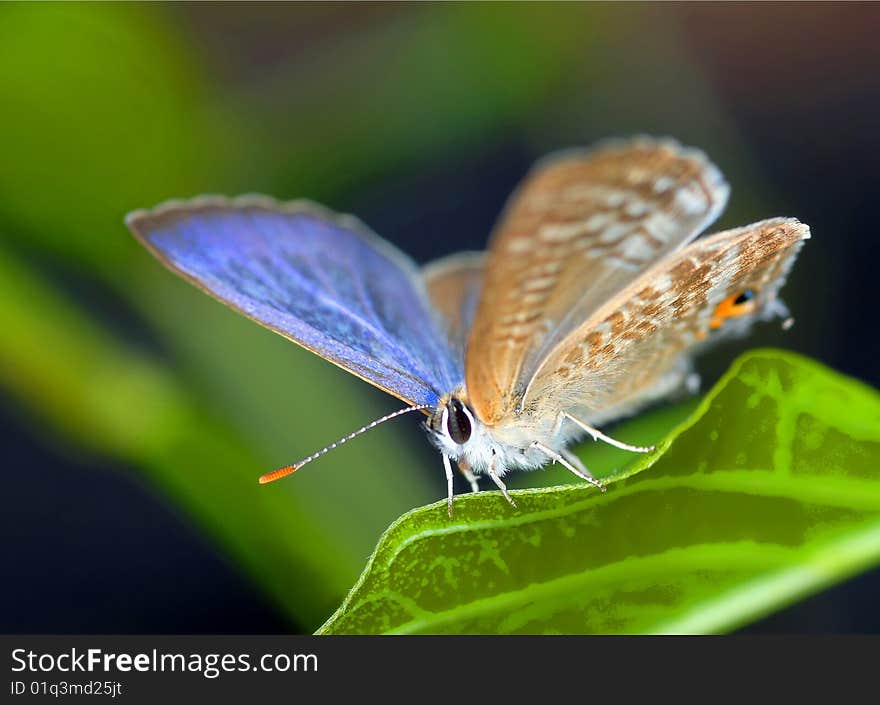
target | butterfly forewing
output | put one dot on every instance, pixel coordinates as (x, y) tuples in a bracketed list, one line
[(632, 349), (578, 230), (317, 278)]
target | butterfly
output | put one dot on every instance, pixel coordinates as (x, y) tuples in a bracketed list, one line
[(590, 302)]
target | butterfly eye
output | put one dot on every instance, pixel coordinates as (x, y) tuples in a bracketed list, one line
[(735, 305), (458, 424)]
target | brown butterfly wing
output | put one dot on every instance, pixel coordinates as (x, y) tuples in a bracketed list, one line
[(579, 229), (453, 284), (631, 350)]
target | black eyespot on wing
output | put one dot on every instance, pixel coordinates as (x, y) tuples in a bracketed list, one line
[(744, 297), (458, 424)]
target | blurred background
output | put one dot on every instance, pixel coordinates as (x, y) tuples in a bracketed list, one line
[(137, 413)]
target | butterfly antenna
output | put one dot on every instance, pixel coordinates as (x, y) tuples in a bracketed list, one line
[(288, 469)]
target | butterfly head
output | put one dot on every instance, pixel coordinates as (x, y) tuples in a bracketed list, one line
[(455, 428), (460, 435)]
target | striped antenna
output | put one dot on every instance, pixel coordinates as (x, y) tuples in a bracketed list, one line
[(288, 469)]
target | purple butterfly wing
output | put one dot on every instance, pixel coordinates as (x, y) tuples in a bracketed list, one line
[(317, 278)]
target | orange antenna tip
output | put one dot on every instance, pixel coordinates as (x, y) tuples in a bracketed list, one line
[(277, 474)]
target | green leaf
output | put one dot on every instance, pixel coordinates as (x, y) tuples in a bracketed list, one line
[(117, 401), (230, 400), (103, 112), (768, 492)]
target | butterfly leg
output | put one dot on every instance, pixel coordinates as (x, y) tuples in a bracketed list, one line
[(579, 464), (599, 436), (449, 494), (465, 470), (500, 483), (570, 461)]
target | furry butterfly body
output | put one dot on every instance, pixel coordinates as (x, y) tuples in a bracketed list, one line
[(590, 302)]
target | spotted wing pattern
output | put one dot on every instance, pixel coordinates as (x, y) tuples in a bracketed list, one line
[(580, 228), (322, 280), (618, 359)]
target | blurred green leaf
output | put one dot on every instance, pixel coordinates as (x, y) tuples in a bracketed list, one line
[(103, 110), (437, 78), (106, 109), (121, 403), (770, 491)]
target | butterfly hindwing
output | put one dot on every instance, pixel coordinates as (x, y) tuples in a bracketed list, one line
[(633, 348), (320, 279), (454, 284), (580, 228)]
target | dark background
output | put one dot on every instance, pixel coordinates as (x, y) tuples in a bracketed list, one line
[(420, 119)]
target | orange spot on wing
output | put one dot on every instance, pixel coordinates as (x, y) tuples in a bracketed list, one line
[(733, 307)]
